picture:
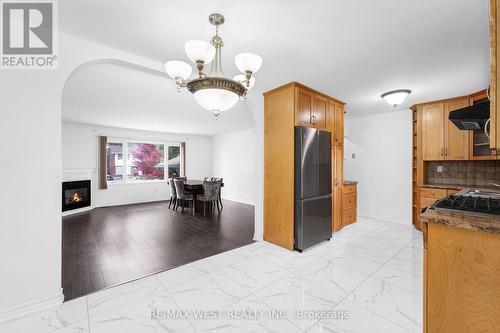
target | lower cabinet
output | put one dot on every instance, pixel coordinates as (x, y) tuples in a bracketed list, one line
[(429, 195), (461, 274), (349, 204)]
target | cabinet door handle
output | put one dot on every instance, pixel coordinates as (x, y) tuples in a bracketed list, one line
[(313, 120), (446, 152), (442, 151)]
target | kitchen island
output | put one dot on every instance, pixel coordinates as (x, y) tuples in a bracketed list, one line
[(461, 272)]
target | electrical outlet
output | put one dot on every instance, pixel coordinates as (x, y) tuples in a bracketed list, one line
[(353, 156), (440, 168)]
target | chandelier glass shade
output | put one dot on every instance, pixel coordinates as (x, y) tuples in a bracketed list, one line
[(199, 50), (214, 91)]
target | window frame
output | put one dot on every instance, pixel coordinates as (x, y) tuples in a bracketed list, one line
[(125, 159)]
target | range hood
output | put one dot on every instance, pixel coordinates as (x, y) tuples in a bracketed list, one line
[(472, 117)]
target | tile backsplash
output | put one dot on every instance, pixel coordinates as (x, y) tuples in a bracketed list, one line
[(479, 173)]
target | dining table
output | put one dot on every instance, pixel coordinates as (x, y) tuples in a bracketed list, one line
[(196, 187)]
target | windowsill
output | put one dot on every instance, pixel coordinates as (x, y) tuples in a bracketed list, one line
[(137, 182)]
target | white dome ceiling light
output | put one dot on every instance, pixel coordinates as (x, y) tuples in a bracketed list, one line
[(395, 97), (214, 91)]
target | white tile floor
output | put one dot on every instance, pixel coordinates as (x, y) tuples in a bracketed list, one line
[(370, 271)]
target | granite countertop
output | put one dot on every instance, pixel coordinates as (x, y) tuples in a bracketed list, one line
[(452, 186), (350, 182), (463, 220), (459, 187)]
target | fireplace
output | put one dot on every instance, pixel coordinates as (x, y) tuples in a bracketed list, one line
[(75, 194)]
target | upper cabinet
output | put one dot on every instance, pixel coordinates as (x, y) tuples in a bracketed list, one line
[(304, 107), (338, 130), (441, 139), (320, 111), (456, 141), (312, 109), (433, 131)]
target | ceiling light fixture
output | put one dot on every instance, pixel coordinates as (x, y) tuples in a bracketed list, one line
[(395, 97), (214, 91)]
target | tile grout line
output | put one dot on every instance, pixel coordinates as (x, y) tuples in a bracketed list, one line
[(175, 302), (88, 314), (378, 315)]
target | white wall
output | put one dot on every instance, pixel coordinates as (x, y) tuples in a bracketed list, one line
[(30, 241), (234, 160), (30, 136), (80, 151), (383, 164)]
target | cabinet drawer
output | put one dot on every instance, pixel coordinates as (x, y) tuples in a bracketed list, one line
[(426, 202), (433, 193), (349, 201), (349, 189), (349, 217)]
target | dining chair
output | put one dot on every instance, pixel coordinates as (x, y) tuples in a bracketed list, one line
[(219, 197), (209, 196), (173, 193), (183, 196)]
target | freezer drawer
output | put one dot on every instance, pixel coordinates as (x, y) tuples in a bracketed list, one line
[(313, 221)]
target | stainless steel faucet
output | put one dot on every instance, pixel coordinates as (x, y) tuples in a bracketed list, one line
[(494, 184)]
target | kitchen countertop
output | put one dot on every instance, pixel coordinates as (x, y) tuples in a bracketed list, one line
[(350, 182), (459, 187), (452, 186), (463, 220)]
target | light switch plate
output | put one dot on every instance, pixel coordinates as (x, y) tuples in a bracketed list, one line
[(353, 156), (440, 168)]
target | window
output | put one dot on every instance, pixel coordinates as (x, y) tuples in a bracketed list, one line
[(174, 161), (130, 161), (114, 165), (146, 162)]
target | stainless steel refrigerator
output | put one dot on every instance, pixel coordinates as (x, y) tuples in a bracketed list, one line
[(313, 187)]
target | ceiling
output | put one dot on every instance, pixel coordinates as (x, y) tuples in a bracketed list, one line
[(119, 94), (353, 50)]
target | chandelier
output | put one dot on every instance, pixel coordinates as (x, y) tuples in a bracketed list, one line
[(214, 91)]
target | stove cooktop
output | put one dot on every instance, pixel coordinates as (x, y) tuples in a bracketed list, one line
[(469, 203)]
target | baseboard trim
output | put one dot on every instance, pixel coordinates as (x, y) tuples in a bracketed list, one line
[(258, 237), (132, 202), (382, 218), (28, 308), (76, 211)]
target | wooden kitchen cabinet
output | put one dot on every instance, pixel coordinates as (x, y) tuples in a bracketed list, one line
[(319, 112), (456, 141), (304, 108), (442, 140), (311, 109), (338, 131), (479, 146), (285, 107), (349, 204), (429, 195), (461, 274), (433, 131), (337, 186)]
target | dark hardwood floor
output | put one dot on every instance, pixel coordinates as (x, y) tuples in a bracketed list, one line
[(112, 245)]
